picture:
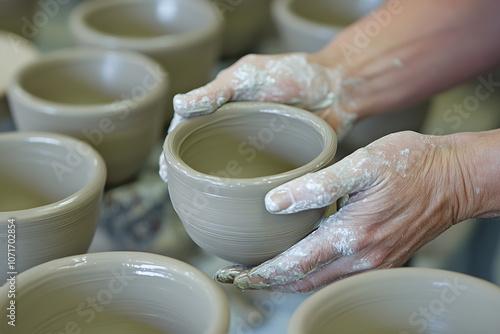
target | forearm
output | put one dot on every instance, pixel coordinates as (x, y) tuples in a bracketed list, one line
[(478, 173), (423, 48)]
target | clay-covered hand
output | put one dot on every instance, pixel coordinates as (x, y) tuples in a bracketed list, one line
[(405, 189), (295, 79)]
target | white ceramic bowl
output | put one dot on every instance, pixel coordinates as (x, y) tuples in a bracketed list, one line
[(116, 292), (308, 25), (182, 35), (221, 166), (401, 301), (52, 186), (114, 100)]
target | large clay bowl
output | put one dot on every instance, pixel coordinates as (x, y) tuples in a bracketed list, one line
[(115, 292), (183, 35), (50, 198), (222, 165), (114, 100), (401, 301)]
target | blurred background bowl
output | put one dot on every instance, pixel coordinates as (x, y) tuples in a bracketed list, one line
[(308, 25), (114, 100), (16, 15), (184, 36), (116, 292), (401, 301), (52, 187)]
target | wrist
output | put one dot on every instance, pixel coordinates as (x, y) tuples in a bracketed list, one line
[(476, 173)]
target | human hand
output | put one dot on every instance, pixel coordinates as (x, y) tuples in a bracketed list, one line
[(296, 79), (405, 189)]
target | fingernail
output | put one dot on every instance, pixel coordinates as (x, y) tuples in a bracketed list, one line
[(278, 200)]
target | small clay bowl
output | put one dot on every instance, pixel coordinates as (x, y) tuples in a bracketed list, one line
[(222, 165), (401, 301), (116, 292), (51, 190), (308, 25), (114, 100), (184, 36)]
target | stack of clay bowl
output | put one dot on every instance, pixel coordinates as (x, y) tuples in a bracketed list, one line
[(401, 301), (221, 166), (115, 292), (184, 36), (50, 198)]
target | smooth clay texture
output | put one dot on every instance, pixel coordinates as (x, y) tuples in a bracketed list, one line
[(184, 36), (116, 292), (52, 187), (222, 165), (308, 25), (401, 301), (113, 100)]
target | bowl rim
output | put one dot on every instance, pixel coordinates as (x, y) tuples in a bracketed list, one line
[(218, 300), (77, 55), (81, 29), (72, 202), (231, 110), (328, 293)]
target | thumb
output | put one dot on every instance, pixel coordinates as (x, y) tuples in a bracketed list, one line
[(315, 190)]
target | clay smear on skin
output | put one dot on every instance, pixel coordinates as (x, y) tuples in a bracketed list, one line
[(291, 79)]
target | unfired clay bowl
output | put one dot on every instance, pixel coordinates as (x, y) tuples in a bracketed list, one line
[(182, 35), (17, 16), (52, 186), (308, 25), (114, 100), (244, 23), (116, 292), (401, 301), (222, 165)]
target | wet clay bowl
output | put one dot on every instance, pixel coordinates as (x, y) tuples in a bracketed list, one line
[(116, 292), (114, 100), (182, 35), (51, 190), (222, 165), (401, 301), (308, 25)]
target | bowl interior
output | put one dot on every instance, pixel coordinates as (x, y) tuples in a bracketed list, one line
[(118, 293), (38, 170), (145, 19), (333, 12), (404, 300), (85, 78), (250, 145)]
